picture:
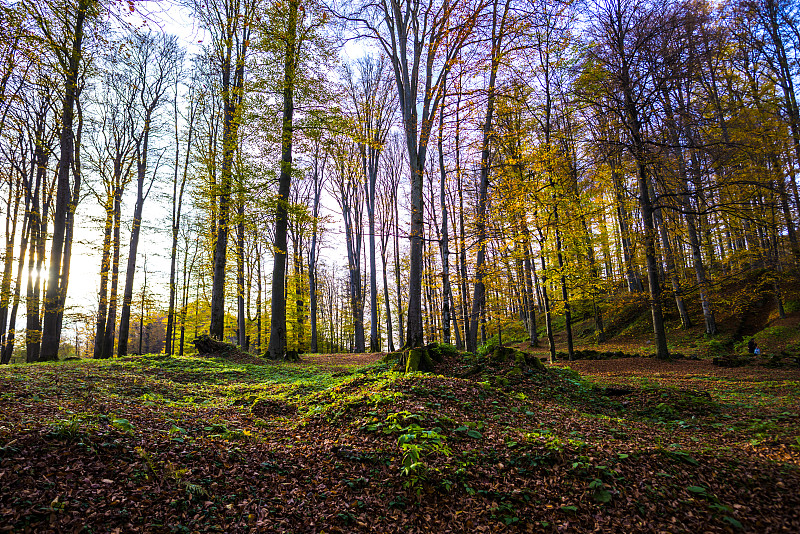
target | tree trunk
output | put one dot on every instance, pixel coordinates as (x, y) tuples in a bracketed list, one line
[(241, 316), (177, 205), (57, 277), (632, 276), (389, 336), (479, 295), (564, 292), (277, 338), (111, 319), (443, 243), (7, 347), (547, 314), (127, 298), (105, 267), (672, 271), (397, 268), (312, 255)]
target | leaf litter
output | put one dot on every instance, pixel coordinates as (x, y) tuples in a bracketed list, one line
[(342, 444)]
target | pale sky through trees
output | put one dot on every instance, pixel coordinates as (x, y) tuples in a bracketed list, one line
[(171, 18)]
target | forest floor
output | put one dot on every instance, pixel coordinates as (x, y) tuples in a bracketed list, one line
[(339, 443)]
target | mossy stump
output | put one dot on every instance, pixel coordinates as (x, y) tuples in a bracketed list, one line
[(414, 360), (522, 360), (208, 345)]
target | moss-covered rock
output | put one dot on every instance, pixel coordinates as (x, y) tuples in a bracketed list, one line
[(207, 345)]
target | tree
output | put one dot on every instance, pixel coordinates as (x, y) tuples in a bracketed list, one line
[(62, 29), (111, 158), (230, 23), (178, 187), (373, 105), (154, 62), (499, 20), (421, 38), (292, 30), (319, 159), (346, 187), (624, 32)]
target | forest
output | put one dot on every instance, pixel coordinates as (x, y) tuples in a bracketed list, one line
[(335, 178), (399, 265)]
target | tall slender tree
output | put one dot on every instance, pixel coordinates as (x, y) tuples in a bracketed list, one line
[(154, 61), (421, 38)]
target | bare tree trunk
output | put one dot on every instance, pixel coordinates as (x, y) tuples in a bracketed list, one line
[(241, 316), (547, 314), (177, 205), (57, 277), (277, 338), (127, 298), (105, 267), (7, 347), (400, 314), (14, 197), (564, 293), (389, 336), (111, 319), (312, 252), (672, 272), (443, 243), (632, 276), (530, 299)]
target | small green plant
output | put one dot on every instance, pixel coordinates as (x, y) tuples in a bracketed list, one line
[(66, 429), (221, 431), (416, 446), (122, 424), (505, 512), (600, 493)]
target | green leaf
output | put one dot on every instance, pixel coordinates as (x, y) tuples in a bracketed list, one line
[(474, 434), (720, 508), (684, 457), (122, 424), (461, 428), (602, 496), (733, 522), (697, 489), (569, 508), (406, 438)]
